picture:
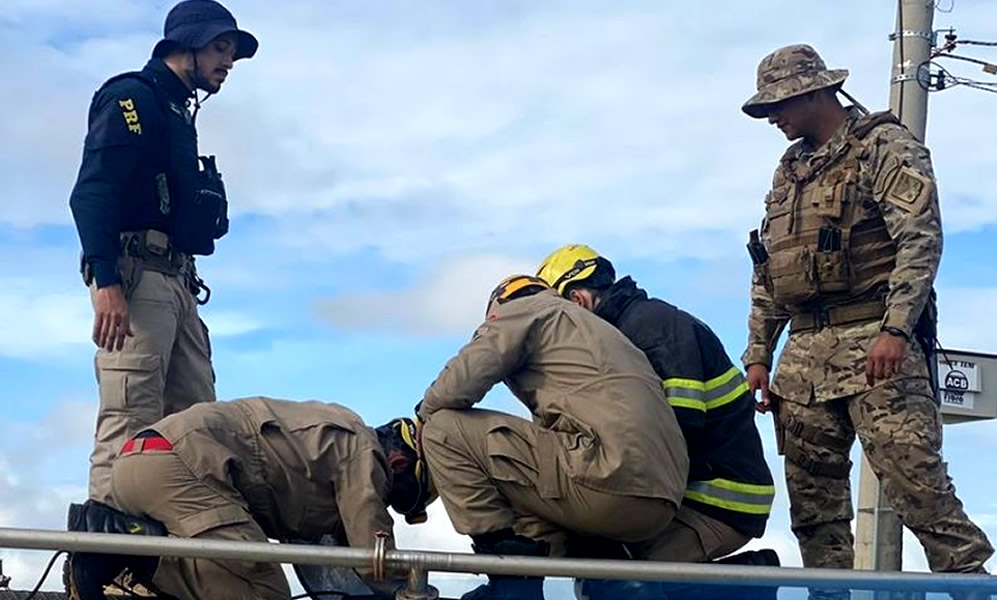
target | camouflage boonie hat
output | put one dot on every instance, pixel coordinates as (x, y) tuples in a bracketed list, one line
[(789, 72)]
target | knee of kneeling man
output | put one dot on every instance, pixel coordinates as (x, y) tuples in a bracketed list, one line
[(436, 428), (443, 419)]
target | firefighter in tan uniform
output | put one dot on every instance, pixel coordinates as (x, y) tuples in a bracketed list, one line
[(254, 469), (846, 256), (603, 456)]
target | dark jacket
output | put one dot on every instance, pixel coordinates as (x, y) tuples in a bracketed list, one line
[(138, 127), (728, 476)]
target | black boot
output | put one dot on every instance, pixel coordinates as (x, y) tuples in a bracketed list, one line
[(579, 546), (757, 558), (508, 587), (619, 589), (88, 573), (604, 589), (607, 589)]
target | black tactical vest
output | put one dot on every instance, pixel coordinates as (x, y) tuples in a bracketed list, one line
[(188, 188)]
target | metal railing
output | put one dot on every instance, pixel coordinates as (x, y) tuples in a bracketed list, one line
[(418, 563)]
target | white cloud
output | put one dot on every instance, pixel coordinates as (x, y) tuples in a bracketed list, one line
[(41, 323), (225, 323), (464, 134), (43, 469), (966, 318), (47, 319), (448, 298), (422, 130)]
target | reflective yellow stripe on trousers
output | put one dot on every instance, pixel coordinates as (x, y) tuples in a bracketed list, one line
[(705, 395), (731, 495)]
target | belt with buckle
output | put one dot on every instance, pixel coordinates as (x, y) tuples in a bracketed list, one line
[(837, 315)]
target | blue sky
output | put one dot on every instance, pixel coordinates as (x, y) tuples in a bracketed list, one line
[(387, 162)]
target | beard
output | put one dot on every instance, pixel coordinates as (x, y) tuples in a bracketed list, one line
[(209, 86), (405, 492)]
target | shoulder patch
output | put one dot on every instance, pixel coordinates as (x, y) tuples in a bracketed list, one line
[(130, 114), (887, 174), (909, 190)]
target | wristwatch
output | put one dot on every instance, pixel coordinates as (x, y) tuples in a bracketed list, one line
[(895, 331)]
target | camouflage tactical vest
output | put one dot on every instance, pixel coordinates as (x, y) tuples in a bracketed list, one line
[(826, 238)]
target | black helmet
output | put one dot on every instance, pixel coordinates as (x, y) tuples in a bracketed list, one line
[(403, 433), (194, 23)]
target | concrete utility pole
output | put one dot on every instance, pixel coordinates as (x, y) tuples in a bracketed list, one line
[(879, 534), (912, 47)]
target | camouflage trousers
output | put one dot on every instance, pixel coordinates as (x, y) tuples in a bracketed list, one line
[(900, 429)]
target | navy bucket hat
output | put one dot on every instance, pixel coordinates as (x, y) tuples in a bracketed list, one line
[(194, 23)]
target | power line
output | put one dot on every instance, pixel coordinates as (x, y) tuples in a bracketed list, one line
[(943, 79), (977, 43), (981, 86), (967, 59)]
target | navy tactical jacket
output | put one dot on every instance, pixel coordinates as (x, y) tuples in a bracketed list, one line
[(130, 160), (729, 479)]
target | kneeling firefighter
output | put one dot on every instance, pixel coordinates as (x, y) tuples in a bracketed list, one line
[(252, 470), (603, 456), (728, 496)]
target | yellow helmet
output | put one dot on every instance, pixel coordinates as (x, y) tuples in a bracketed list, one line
[(511, 287), (575, 263)]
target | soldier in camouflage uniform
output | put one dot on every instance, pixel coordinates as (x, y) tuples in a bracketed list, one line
[(846, 256)]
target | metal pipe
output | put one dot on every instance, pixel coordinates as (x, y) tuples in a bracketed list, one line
[(116, 543), (418, 587), (400, 560), (692, 572), (418, 580)]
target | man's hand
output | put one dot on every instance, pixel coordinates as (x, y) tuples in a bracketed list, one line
[(884, 357), (110, 319), (758, 379)]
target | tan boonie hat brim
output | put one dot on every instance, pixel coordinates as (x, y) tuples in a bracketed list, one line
[(758, 106)]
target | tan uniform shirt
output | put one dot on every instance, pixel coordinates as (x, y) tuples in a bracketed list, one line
[(303, 468), (582, 379), (830, 363)]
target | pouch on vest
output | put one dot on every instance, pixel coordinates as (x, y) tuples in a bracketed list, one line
[(756, 249), (793, 275), (801, 274), (204, 217), (831, 262), (759, 260), (816, 263)]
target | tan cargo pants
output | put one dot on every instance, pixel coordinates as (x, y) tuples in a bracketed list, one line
[(490, 470), (164, 368), (900, 428), (159, 485)]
